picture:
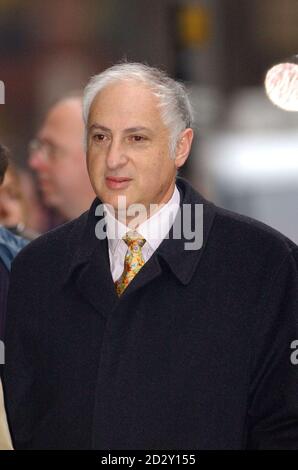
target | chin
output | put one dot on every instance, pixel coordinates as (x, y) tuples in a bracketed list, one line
[(48, 201), (111, 198), (113, 201), (51, 202)]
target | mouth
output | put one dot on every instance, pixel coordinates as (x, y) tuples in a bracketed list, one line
[(117, 182), (44, 184)]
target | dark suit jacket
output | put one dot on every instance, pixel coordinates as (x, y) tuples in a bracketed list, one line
[(4, 279), (194, 355)]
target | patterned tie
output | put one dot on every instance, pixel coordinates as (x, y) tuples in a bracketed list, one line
[(133, 260)]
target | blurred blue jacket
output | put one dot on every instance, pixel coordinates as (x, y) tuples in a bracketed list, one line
[(10, 245)]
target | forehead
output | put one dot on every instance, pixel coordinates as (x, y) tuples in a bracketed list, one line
[(126, 102), (64, 120)]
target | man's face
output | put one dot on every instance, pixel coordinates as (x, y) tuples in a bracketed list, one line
[(59, 159), (128, 147)]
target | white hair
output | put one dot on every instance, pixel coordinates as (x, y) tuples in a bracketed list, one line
[(176, 109)]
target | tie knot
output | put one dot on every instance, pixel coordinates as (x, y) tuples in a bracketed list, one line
[(133, 238)]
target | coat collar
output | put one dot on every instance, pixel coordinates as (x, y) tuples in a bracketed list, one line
[(200, 212), (89, 258)]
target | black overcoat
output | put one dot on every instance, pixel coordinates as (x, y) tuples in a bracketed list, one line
[(198, 353)]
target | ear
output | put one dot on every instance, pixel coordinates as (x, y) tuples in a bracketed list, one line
[(183, 147)]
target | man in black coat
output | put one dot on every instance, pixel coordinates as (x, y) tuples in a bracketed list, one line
[(151, 338)]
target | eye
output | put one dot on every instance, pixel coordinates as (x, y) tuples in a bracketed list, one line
[(98, 137), (138, 138)]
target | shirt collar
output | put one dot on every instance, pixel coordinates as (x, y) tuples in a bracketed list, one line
[(154, 229), (87, 258)]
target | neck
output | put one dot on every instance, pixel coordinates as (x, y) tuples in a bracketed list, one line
[(136, 214)]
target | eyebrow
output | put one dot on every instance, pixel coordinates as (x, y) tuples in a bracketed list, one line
[(130, 129)]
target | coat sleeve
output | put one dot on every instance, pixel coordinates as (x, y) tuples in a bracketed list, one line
[(273, 401), (20, 357), (4, 278), (5, 440)]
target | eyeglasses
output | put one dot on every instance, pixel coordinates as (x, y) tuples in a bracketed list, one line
[(49, 151)]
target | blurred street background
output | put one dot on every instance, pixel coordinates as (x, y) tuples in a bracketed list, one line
[(245, 156)]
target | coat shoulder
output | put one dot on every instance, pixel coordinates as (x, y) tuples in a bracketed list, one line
[(53, 245), (253, 236), (238, 232)]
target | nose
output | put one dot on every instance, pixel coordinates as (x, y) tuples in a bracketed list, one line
[(36, 161), (116, 156)]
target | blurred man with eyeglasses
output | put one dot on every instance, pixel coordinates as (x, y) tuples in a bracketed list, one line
[(57, 157)]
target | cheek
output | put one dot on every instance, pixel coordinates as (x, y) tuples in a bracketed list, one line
[(153, 164), (66, 175), (95, 164), (159, 168)]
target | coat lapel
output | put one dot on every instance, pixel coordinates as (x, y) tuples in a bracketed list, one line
[(175, 251), (150, 271), (182, 262), (89, 265)]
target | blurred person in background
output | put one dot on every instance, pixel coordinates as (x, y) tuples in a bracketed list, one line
[(10, 245), (17, 194), (58, 158), (5, 439), (13, 208)]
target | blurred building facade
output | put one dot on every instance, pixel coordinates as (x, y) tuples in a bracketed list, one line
[(221, 48)]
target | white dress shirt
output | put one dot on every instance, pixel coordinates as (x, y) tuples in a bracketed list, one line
[(153, 230)]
